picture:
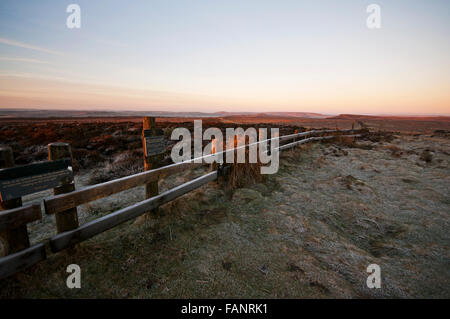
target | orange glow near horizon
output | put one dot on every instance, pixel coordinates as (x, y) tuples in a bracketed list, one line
[(24, 92)]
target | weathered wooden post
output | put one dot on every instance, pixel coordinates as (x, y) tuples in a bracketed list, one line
[(235, 141), (213, 146), (212, 166), (68, 219), (152, 140), (16, 239)]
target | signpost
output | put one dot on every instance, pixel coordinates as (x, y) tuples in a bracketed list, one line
[(154, 145), (19, 181), (154, 148)]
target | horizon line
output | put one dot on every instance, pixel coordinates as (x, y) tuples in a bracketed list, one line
[(229, 112)]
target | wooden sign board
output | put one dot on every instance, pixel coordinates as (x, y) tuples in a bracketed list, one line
[(155, 145), (23, 180)]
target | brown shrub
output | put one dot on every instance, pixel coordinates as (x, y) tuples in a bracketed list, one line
[(345, 141), (243, 174)]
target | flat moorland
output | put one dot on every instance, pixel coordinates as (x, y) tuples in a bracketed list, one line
[(309, 231)]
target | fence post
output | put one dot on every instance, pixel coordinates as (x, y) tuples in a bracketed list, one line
[(151, 162), (11, 240), (213, 151), (68, 219)]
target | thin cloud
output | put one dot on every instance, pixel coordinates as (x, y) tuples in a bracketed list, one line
[(32, 76), (25, 60), (27, 46)]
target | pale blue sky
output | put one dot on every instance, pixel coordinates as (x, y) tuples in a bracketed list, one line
[(316, 56)]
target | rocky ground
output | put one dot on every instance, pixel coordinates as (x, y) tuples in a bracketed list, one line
[(309, 231)]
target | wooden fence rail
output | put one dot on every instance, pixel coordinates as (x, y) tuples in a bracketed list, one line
[(104, 223), (57, 203), (21, 260), (15, 219), (17, 181), (311, 139), (66, 203)]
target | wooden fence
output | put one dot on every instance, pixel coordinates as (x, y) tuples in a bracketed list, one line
[(63, 204)]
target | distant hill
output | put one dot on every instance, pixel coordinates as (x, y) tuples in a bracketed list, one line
[(308, 115), (391, 117), (37, 113), (44, 114)]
